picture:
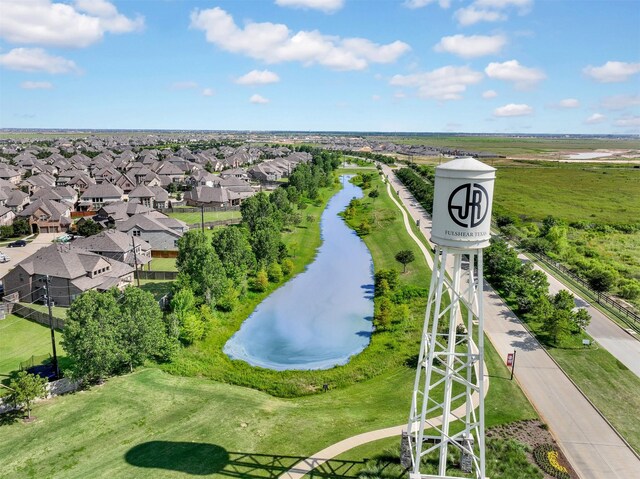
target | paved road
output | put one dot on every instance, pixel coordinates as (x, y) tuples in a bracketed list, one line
[(18, 254), (590, 444), (622, 345)]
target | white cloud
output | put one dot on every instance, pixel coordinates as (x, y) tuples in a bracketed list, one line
[(257, 77), (628, 122), (612, 72), (184, 85), (524, 5), (446, 83), (569, 103), (376, 97), (423, 3), (471, 15), (44, 22), (620, 102), (490, 11), (207, 92), (489, 94), (36, 85), (399, 95), (512, 71), (328, 6), (513, 109), (595, 118), (258, 99), (471, 46), (36, 60), (275, 43)]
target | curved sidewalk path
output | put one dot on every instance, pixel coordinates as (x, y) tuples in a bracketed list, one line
[(319, 458), (589, 442)]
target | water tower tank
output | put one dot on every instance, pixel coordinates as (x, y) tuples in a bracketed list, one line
[(462, 200)]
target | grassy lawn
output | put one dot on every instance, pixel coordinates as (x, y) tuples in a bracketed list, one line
[(193, 218), (157, 287), (170, 426), (163, 264), (19, 340), (57, 311), (608, 384)]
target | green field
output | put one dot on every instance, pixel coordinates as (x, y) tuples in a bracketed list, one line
[(593, 194), (196, 218), (512, 146)]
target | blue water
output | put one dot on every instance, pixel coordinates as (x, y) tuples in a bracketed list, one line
[(321, 317)]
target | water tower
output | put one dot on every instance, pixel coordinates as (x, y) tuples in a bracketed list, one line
[(450, 369)]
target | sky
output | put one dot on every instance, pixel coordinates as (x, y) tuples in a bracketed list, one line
[(473, 66)]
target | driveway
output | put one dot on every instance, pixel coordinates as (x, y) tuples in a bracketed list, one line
[(18, 254)]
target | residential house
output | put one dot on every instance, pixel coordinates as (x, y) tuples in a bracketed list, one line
[(10, 175), (71, 271), (119, 211), (16, 200), (160, 231), (47, 216), (212, 196), (117, 245), (6, 216), (96, 196)]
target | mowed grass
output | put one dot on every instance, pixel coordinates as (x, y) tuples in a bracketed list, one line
[(162, 264), (154, 425), (609, 384), (600, 195), (196, 218), (20, 339)]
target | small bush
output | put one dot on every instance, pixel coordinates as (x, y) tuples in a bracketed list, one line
[(274, 273), (260, 282)]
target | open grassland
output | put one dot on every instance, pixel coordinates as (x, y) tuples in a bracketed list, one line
[(514, 147), (20, 339), (196, 217), (591, 194)]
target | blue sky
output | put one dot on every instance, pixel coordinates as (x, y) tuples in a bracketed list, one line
[(503, 66)]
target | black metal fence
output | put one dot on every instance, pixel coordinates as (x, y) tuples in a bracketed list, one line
[(629, 316)]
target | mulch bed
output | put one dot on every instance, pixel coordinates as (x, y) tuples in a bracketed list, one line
[(531, 432)]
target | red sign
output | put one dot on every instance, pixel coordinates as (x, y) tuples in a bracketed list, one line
[(510, 359)]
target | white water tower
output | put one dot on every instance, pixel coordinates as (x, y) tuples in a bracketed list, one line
[(450, 370)]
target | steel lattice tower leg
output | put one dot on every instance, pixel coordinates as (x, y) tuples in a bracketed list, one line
[(450, 368)]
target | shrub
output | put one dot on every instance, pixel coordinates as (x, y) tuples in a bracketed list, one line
[(260, 282), (274, 273), (287, 266)]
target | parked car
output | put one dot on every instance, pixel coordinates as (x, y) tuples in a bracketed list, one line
[(4, 258), (65, 238), (17, 244)]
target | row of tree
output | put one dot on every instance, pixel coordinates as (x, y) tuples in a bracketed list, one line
[(421, 189), (528, 289)]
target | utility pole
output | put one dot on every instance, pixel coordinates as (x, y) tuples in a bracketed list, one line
[(202, 216), (53, 334), (135, 258)]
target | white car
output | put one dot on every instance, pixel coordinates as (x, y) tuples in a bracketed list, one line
[(4, 258)]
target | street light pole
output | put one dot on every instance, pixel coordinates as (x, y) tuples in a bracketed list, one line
[(53, 334)]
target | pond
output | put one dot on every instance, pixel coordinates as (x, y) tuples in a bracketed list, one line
[(321, 317)]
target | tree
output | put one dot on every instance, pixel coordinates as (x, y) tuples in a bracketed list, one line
[(107, 333), (233, 249), (21, 227), (26, 388), (6, 231), (601, 278), (90, 336), (274, 272), (89, 228), (580, 319), (261, 281), (200, 267), (265, 241), (405, 257), (142, 332), (256, 208)]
